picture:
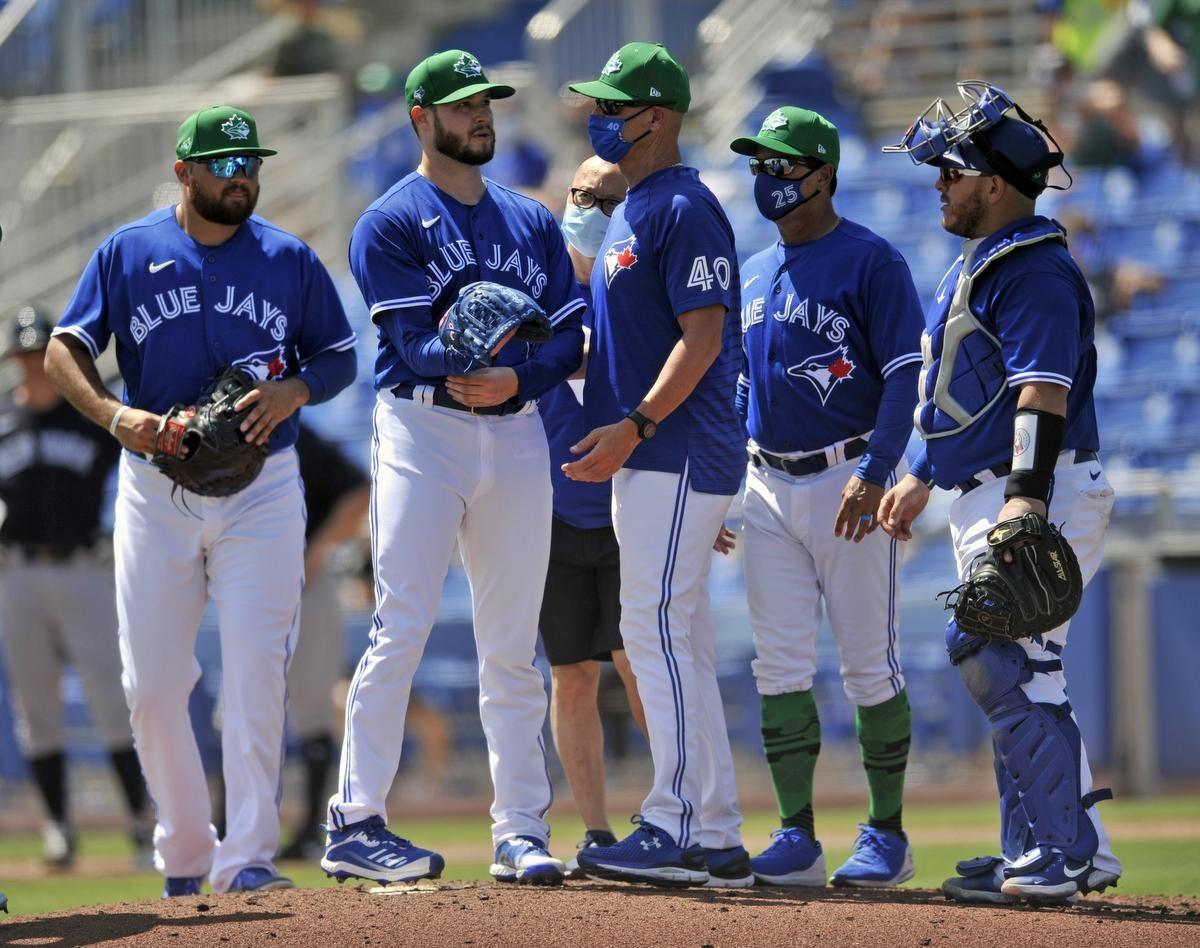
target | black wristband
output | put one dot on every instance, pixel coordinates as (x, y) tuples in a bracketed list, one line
[(1037, 440)]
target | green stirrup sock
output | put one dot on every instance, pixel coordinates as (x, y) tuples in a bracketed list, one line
[(884, 733), (791, 732)]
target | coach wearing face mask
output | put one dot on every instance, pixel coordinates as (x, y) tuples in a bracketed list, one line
[(581, 610)]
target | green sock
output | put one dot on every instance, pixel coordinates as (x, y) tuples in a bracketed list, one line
[(884, 733), (791, 731)]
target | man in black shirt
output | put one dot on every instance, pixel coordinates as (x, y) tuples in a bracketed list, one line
[(57, 601)]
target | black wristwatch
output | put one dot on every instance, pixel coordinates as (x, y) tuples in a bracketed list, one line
[(646, 428)]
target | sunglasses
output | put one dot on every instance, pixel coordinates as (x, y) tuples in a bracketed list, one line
[(780, 167), (951, 175), (611, 107), (585, 199), (227, 165)]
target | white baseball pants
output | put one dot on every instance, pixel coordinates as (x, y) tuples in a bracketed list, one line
[(246, 552)]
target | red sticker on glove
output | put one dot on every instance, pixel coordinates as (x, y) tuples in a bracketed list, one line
[(170, 438)]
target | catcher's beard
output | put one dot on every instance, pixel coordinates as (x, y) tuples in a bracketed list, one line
[(453, 147), (214, 209), (969, 213)]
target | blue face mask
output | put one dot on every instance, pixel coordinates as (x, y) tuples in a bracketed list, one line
[(585, 229), (604, 132), (776, 197)]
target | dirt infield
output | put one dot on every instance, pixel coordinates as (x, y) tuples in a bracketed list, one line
[(602, 914)]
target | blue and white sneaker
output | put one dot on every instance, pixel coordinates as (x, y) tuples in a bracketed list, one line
[(728, 868), (793, 858), (879, 859), (369, 850), (524, 860), (182, 885), (978, 881), (648, 854), (1047, 876), (259, 879)]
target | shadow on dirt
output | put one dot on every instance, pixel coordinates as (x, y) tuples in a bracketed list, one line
[(76, 931)]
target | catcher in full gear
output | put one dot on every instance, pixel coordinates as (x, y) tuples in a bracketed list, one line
[(1007, 417)]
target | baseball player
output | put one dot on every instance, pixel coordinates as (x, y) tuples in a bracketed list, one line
[(1007, 417), (831, 345), (184, 291), (57, 603), (659, 403), (581, 607), (336, 497), (457, 454)]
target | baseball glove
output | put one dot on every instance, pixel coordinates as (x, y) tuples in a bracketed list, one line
[(200, 447), (484, 313), (1036, 592)]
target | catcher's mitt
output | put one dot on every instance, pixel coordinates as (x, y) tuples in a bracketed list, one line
[(1035, 593), (484, 313), (200, 448)]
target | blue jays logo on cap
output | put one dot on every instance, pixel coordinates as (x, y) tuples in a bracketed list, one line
[(468, 66), (236, 128), (613, 64), (826, 370), (265, 365), (620, 256)]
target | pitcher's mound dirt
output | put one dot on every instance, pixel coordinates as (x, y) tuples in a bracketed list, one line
[(599, 914)]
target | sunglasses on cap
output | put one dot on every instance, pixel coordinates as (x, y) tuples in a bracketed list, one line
[(227, 166), (951, 175), (780, 167), (584, 199), (611, 107)]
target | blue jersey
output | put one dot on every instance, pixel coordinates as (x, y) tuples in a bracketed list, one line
[(582, 504), (415, 247), (1025, 316), (180, 310), (669, 250), (824, 324)]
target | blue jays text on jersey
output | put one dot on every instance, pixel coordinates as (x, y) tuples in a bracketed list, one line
[(180, 310), (1013, 309), (415, 246), (669, 250), (825, 323)]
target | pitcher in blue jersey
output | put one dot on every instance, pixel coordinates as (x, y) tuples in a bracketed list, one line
[(1008, 421), (459, 459), (831, 345), (658, 400), (184, 291)]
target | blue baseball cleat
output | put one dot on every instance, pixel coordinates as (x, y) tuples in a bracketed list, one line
[(1047, 876), (648, 854), (793, 858), (524, 860), (728, 868), (182, 885), (3, 903), (978, 881), (369, 850), (879, 859), (259, 879)]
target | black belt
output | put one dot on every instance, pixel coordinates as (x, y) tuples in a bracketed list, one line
[(1003, 470), (444, 399), (801, 467)]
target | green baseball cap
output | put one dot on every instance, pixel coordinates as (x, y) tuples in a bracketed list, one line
[(641, 72), (448, 77), (219, 130), (800, 133)]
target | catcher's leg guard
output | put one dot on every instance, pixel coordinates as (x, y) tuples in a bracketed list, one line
[(1015, 838), (1038, 746)]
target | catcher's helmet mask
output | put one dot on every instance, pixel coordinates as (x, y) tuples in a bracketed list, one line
[(984, 136)]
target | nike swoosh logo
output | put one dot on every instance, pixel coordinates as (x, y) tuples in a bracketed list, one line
[(155, 267), (1093, 476), (751, 280), (429, 223), (1074, 873)]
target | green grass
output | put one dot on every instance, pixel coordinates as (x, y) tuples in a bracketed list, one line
[(1165, 863)]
